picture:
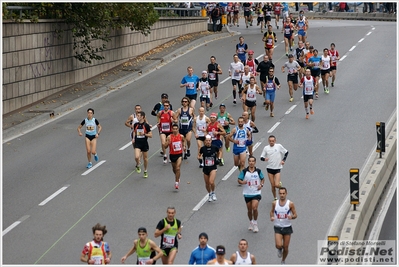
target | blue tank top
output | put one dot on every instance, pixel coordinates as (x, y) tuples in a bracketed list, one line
[(186, 121), (241, 136)]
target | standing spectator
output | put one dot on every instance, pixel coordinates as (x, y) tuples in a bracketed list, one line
[(371, 7), (203, 253), (216, 15)]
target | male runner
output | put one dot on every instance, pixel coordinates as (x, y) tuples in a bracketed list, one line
[(200, 125), (272, 83), (239, 136), (157, 108), (203, 253), (214, 70), (176, 142), (140, 134), (97, 251), (205, 91), (191, 82), (225, 119), (325, 69), (220, 260), (247, 13), (241, 49), (216, 130), (242, 256), (250, 125), (185, 116), (263, 70), (333, 53), (270, 39), (308, 85), (165, 120), (302, 26), (249, 97), (277, 12), (292, 76), (314, 63), (235, 70)]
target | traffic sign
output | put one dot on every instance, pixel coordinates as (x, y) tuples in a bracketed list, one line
[(380, 127), (354, 186)]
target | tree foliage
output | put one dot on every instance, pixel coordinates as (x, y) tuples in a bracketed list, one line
[(89, 22)]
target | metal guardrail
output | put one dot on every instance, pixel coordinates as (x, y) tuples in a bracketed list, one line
[(21, 9)]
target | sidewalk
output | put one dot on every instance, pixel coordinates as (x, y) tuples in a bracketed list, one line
[(15, 123)]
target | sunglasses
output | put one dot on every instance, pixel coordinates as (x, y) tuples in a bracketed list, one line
[(166, 105), (185, 101)]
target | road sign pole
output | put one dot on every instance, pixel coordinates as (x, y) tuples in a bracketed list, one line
[(380, 128), (354, 186)]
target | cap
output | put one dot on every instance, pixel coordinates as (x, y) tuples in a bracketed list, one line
[(209, 137), (250, 52), (311, 47), (290, 55), (204, 72), (142, 229), (204, 234), (213, 115), (164, 95), (220, 250), (222, 105)]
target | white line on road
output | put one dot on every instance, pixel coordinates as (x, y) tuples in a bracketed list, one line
[(353, 47), (361, 40), (12, 226), (290, 109), (225, 80), (274, 127), (369, 33), (260, 56), (229, 173), (373, 28), (342, 58), (202, 202), (44, 202), (256, 146), (94, 167)]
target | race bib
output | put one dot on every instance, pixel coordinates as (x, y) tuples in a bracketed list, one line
[(282, 216), (169, 241), (212, 76), (140, 133), (209, 161), (176, 146), (190, 85), (143, 260), (184, 120), (165, 126)]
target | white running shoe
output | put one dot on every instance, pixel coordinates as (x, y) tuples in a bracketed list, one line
[(251, 226), (210, 198), (214, 197), (279, 252), (256, 229)]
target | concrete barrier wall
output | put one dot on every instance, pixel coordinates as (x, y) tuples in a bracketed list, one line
[(37, 64), (357, 222)]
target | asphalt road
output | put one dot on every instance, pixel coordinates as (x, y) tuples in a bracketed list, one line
[(321, 151)]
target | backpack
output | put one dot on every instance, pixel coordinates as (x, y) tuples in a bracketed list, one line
[(246, 169)]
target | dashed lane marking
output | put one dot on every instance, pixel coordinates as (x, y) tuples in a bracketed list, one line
[(94, 167)]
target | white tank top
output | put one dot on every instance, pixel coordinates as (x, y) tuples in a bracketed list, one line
[(204, 86), (281, 214), (241, 261), (201, 125), (248, 125), (245, 78), (251, 93), (308, 86), (325, 62)]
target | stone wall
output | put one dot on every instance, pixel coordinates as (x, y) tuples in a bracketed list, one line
[(37, 64)]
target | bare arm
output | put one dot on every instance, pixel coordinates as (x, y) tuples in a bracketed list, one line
[(293, 211), (131, 251), (272, 211), (128, 122)]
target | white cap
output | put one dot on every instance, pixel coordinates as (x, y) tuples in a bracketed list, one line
[(204, 72)]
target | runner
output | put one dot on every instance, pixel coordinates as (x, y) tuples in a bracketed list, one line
[(275, 155), (270, 39), (225, 119), (333, 53), (203, 253), (199, 127), (285, 9), (250, 125), (157, 108), (209, 154), (251, 62), (165, 120), (292, 76), (176, 142), (205, 92), (267, 11), (241, 49), (277, 12), (243, 82), (242, 256), (300, 57), (141, 131), (235, 70), (288, 30), (169, 229), (249, 97), (293, 21), (282, 212), (325, 69), (91, 135), (191, 82), (315, 62), (302, 26), (147, 251), (229, 11), (97, 251), (259, 13), (132, 119), (308, 84), (239, 136), (216, 130), (263, 70), (236, 10), (252, 178), (247, 13), (270, 90), (214, 70), (220, 260), (185, 116)]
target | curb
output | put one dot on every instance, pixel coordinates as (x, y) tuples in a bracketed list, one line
[(38, 121)]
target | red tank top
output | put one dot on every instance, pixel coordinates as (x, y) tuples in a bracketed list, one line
[(165, 122), (333, 55), (251, 64), (211, 128), (175, 145)]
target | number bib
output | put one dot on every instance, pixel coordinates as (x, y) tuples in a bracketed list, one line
[(165, 126), (184, 120), (209, 161), (282, 216), (169, 241), (140, 133), (176, 146), (143, 260), (212, 76)]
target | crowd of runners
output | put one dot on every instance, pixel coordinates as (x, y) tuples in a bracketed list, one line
[(218, 134)]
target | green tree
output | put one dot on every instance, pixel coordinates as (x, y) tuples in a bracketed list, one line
[(89, 22)]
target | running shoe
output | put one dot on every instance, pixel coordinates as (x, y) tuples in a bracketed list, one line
[(261, 31), (188, 153), (327, 90), (317, 96), (280, 253), (176, 185), (311, 112), (267, 107), (282, 262), (250, 24), (161, 152), (256, 229), (271, 114), (89, 165), (210, 199), (234, 101), (165, 160), (221, 162), (307, 116), (228, 149), (332, 84), (277, 27), (247, 26), (264, 103), (291, 99), (291, 49), (201, 165), (185, 156), (251, 226), (286, 54), (96, 157), (138, 169), (214, 196), (211, 104), (145, 175), (280, 184), (238, 25)]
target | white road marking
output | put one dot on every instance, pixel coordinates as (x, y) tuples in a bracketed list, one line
[(369, 33), (229, 173), (94, 167), (373, 28), (353, 47), (342, 58), (256, 146), (290, 109), (274, 127), (260, 56), (12, 226), (361, 40), (202, 202), (225, 80), (44, 202)]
